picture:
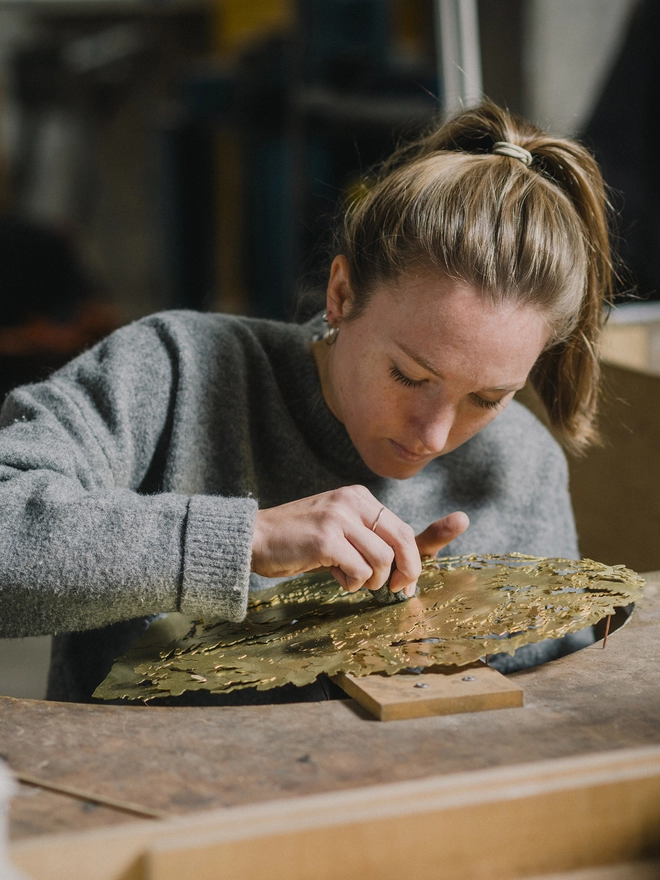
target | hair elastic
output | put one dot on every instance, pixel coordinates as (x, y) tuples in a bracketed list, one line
[(504, 148)]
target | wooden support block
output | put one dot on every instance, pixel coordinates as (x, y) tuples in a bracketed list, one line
[(433, 692)]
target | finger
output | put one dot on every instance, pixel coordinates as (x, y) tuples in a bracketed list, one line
[(400, 537), (377, 552), (349, 567), (442, 532)]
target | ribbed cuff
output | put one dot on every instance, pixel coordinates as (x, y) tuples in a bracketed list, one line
[(217, 555)]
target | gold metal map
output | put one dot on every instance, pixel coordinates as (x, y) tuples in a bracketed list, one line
[(465, 607)]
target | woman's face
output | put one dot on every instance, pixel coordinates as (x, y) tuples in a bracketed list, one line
[(425, 367)]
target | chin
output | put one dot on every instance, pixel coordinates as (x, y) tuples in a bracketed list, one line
[(395, 470)]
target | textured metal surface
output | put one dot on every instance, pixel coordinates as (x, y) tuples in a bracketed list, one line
[(465, 607)]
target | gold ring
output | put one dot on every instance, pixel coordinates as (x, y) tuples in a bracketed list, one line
[(375, 525)]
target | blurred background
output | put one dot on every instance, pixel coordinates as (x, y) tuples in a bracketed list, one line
[(193, 153)]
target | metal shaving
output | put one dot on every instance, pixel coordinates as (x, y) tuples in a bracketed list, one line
[(465, 607)]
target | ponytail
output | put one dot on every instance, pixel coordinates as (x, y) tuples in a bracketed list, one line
[(535, 233)]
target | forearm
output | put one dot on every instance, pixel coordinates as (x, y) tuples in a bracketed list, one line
[(72, 559)]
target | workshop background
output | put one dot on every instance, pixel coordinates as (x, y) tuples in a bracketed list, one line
[(193, 153)]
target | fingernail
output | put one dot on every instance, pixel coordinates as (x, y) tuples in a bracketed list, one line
[(410, 590)]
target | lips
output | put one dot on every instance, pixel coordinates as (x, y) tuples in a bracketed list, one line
[(406, 454)]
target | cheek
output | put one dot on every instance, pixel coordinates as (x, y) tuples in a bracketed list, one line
[(375, 409), (366, 386)]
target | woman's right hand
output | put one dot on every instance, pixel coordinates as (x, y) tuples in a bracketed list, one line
[(335, 530)]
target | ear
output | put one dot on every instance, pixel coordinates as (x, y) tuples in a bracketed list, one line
[(339, 297)]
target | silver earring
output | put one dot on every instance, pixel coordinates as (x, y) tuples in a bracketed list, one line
[(330, 334)]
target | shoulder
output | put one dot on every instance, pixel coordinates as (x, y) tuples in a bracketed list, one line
[(516, 441), (213, 332), (516, 424), (168, 339), (185, 329), (512, 480)]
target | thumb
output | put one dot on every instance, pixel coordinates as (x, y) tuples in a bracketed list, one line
[(441, 532)]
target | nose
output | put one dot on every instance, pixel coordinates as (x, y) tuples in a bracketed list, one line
[(432, 426)]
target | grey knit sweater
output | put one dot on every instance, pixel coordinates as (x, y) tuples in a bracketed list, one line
[(129, 481)]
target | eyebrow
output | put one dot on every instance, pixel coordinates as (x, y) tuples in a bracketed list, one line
[(419, 360), (427, 365)]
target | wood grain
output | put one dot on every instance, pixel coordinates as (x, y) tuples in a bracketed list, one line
[(90, 796), (37, 812), (187, 760), (435, 692), (500, 823), (643, 870)]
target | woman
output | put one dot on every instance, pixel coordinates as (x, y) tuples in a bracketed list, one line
[(188, 456)]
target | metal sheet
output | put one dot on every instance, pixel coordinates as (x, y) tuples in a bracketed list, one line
[(465, 607)]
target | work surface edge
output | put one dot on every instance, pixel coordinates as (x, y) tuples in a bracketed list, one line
[(187, 760)]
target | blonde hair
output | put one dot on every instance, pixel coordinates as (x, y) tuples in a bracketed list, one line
[(537, 235)]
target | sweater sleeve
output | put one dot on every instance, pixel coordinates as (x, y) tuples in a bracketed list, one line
[(80, 545)]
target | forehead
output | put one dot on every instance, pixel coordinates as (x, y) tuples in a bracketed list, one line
[(453, 326)]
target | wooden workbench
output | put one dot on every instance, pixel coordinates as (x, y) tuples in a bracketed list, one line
[(183, 760)]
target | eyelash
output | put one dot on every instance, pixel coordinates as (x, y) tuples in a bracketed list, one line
[(398, 376), (486, 404)]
